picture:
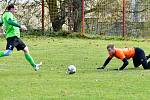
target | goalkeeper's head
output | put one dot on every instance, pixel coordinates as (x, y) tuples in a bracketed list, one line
[(111, 49)]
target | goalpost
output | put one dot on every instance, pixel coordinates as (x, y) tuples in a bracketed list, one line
[(123, 17), (43, 15), (83, 18)]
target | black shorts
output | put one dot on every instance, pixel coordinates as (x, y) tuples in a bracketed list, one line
[(15, 42), (140, 58)]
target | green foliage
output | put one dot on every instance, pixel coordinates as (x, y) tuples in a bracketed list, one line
[(66, 34)]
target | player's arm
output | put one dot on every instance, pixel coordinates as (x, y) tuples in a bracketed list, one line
[(105, 63), (11, 22), (125, 63), (121, 56)]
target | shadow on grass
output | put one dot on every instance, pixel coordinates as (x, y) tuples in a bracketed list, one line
[(127, 69)]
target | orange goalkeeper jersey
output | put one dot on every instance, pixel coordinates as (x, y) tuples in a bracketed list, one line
[(123, 53)]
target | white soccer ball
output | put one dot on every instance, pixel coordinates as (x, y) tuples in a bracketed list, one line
[(71, 69)]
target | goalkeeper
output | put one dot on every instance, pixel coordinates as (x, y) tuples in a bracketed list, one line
[(124, 54)]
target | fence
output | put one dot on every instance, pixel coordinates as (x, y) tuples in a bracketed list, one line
[(104, 17), (114, 17)]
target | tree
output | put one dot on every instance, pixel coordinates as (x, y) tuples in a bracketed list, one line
[(58, 16), (77, 4)]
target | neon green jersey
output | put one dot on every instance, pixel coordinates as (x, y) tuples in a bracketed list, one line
[(10, 30)]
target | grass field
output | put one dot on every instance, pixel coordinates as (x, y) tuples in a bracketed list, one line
[(18, 81)]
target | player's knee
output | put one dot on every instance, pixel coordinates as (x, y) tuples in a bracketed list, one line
[(146, 65), (7, 52), (26, 49)]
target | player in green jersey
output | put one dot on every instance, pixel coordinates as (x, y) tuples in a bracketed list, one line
[(12, 34)]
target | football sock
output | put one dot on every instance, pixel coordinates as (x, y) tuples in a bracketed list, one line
[(30, 59), (1, 54)]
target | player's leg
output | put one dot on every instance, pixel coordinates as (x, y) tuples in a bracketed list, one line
[(30, 59), (5, 53), (1, 53), (21, 46), (136, 59), (144, 61), (28, 56), (9, 48), (148, 56), (141, 58), (136, 62), (145, 64), (8, 52), (149, 64)]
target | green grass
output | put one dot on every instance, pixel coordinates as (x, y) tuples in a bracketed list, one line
[(18, 81)]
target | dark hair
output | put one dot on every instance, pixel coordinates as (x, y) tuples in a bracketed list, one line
[(110, 46), (10, 6)]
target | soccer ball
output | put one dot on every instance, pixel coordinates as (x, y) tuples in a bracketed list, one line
[(71, 69)]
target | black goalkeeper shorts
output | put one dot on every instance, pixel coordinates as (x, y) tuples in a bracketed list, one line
[(140, 59), (15, 42)]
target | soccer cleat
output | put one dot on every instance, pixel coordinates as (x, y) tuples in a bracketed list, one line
[(37, 66)]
